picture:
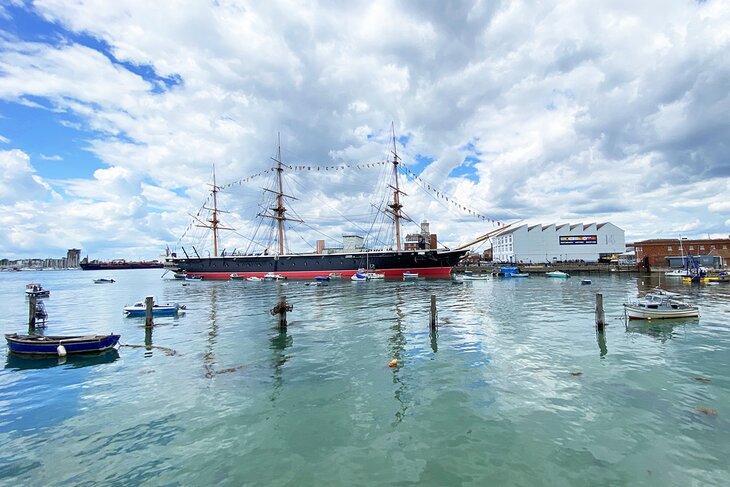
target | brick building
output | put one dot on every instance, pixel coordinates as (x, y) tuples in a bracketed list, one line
[(421, 241), (656, 252)]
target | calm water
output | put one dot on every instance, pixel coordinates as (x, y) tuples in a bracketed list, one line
[(516, 389)]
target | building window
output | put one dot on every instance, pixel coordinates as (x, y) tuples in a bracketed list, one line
[(691, 247), (669, 248), (702, 247), (712, 247), (724, 247)]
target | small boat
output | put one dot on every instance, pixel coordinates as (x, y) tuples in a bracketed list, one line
[(35, 289), (189, 277), (270, 276), (334, 275), (511, 272), (103, 280), (253, 278), (59, 345), (677, 273), (237, 277), (321, 278), (558, 274), (656, 306), (179, 275), (585, 282), (140, 309), (358, 277), (469, 276), (407, 276), (663, 292), (374, 275)]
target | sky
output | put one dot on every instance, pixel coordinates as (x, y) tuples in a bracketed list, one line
[(113, 116)]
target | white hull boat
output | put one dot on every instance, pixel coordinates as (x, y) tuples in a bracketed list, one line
[(656, 306), (677, 273), (558, 274)]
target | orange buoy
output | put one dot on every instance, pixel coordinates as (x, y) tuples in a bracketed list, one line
[(393, 363)]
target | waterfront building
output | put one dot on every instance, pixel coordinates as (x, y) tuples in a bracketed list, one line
[(424, 240), (672, 252), (592, 242), (73, 257)]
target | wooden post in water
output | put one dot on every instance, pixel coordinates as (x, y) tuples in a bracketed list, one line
[(280, 309), (282, 313), (600, 316), (434, 314), (148, 302), (31, 311)]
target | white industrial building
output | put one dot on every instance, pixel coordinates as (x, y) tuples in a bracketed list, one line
[(541, 244)]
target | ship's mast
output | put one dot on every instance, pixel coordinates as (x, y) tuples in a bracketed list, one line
[(214, 220), (280, 199), (396, 206), (279, 210)]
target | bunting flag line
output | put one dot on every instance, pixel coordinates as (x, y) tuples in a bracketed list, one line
[(439, 194), (300, 167)]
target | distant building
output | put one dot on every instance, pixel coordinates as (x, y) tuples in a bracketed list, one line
[(350, 243), (590, 242), (73, 257), (662, 253), (425, 240)]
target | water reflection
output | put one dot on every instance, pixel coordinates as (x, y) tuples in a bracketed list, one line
[(209, 355), (661, 330), (601, 338), (24, 362), (397, 343), (278, 344), (433, 334)]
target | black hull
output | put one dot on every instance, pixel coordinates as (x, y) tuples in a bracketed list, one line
[(306, 266), (111, 267)]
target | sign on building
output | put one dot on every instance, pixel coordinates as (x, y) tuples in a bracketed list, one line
[(578, 240)]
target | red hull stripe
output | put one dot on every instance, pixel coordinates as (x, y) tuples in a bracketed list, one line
[(430, 272)]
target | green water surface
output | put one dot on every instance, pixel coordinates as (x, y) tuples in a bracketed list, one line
[(517, 388)]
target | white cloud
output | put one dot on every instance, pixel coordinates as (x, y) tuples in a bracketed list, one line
[(18, 179), (54, 157)]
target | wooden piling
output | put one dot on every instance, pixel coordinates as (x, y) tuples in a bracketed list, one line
[(31, 311), (282, 313), (280, 309), (148, 302), (434, 314), (600, 315)]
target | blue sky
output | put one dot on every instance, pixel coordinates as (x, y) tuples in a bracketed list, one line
[(112, 115)]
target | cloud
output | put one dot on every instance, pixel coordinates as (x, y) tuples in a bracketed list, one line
[(54, 157), (18, 179)]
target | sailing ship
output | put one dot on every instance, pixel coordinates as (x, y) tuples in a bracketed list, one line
[(98, 265), (392, 262)]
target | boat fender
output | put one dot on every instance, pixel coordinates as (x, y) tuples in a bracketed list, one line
[(61, 351), (393, 363)]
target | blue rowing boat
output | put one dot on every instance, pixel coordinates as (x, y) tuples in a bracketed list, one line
[(49, 345), (140, 309)]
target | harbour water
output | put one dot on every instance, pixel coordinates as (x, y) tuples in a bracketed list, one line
[(517, 388)]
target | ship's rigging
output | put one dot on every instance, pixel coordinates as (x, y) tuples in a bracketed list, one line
[(272, 208)]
